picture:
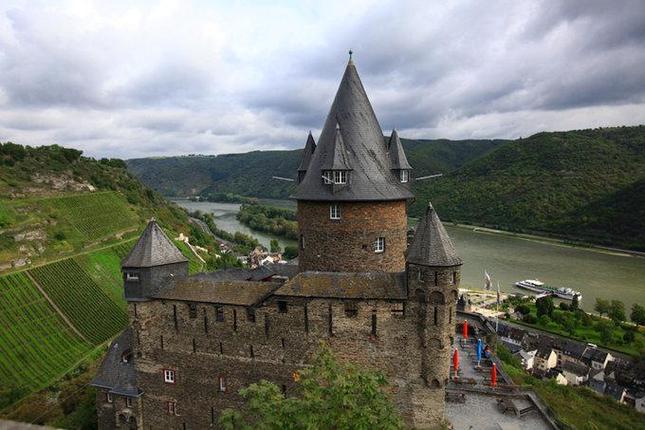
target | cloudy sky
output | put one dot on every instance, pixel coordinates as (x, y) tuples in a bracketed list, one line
[(131, 79)]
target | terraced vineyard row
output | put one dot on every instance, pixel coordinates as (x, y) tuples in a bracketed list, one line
[(82, 300), (95, 215), (36, 345)]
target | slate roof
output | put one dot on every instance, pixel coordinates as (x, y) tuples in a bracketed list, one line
[(371, 178), (202, 288), (544, 352), (336, 157), (114, 374), (431, 245), (310, 147), (575, 368), (344, 285), (153, 249), (398, 160)]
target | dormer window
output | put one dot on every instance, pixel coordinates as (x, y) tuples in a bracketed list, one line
[(131, 276), (335, 177), (404, 176)]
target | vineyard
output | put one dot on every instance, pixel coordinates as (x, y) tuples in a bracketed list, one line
[(82, 300), (95, 215), (36, 346)]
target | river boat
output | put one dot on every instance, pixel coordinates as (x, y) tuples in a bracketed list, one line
[(541, 287)]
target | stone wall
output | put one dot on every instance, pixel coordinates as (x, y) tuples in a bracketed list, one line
[(188, 338), (117, 413), (347, 244)]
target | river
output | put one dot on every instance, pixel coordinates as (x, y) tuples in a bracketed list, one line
[(507, 259)]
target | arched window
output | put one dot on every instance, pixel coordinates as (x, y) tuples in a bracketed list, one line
[(437, 298), (435, 383)]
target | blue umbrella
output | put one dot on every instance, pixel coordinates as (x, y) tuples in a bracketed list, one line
[(479, 351)]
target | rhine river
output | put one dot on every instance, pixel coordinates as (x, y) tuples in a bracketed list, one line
[(595, 273)]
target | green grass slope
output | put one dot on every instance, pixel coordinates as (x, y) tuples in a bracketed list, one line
[(584, 184)]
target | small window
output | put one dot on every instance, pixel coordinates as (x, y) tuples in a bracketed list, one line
[(250, 315), (192, 310), (128, 402), (222, 384), (334, 211), (282, 306), (405, 176), (379, 244), (302, 241), (126, 356), (219, 313), (327, 177), (109, 398), (454, 278), (340, 177), (171, 408), (398, 310), (131, 276), (169, 376), (351, 310)]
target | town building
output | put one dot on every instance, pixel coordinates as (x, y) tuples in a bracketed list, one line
[(195, 341)]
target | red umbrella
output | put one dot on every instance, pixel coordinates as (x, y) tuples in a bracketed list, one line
[(455, 361), (465, 329), (493, 375)]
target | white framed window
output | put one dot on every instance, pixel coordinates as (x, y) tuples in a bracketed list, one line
[(334, 211), (379, 244), (222, 384), (171, 408), (169, 376), (405, 176), (109, 398), (340, 177), (327, 179), (131, 276)]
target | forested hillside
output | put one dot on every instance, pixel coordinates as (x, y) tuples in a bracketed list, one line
[(250, 174), (580, 185)]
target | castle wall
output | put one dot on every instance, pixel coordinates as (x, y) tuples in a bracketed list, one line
[(346, 245), (201, 350)]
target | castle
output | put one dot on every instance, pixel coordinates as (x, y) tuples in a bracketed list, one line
[(194, 341)]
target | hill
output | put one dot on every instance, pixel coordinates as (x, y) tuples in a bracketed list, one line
[(66, 221), (581, 185), (250, 174), (578, 185)]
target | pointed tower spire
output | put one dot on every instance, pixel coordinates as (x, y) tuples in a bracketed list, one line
[(398, 160), (431, 245), (153, 249), (362, 138), (310, 147)]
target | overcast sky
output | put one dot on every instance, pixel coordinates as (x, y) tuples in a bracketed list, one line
[(132, 79)]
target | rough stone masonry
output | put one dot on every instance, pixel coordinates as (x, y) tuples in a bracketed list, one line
[(195, 341)]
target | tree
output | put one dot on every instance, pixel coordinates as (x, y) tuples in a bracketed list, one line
[(602, 306), (290, 252), (605, 330), (638, 314), (275, 245), (331, 395), (523, 309), (617, 311), (575, 303), (629, 336), (544, 306)]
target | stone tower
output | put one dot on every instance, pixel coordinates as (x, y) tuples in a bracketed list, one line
[(433, 273), (351, 194), (153, 260)]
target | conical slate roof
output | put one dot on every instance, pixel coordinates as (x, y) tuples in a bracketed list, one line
[(153, 249), (310, 147), (431, 245), (398, 160), (336, 157), (371, 178)]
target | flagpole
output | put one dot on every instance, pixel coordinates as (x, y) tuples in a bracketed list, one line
[(497, 310)]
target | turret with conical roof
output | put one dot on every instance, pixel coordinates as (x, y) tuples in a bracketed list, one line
[(433, 273), (352, 213), (153, 260)]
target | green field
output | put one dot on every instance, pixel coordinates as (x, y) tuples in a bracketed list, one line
[(91, 310), (36, 345)]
